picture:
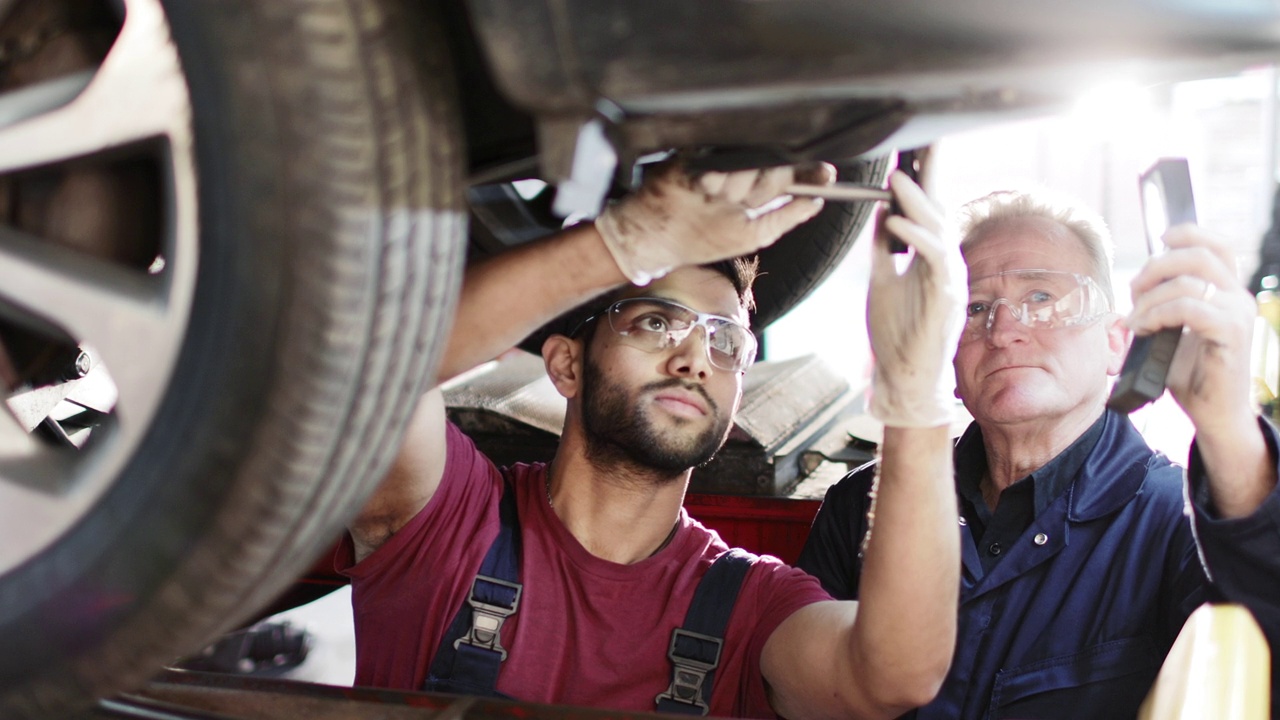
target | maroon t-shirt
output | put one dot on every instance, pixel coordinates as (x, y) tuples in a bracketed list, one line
[(588, 632)]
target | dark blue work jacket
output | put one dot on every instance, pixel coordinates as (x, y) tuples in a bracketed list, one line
[(1077, 616)]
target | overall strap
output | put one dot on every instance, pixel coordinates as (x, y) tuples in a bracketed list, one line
[(696, 646), (471, 653)]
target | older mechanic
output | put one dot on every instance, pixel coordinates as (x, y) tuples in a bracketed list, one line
[(611, 562), (1079, 564)]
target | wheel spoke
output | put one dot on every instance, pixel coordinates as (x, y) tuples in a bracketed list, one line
[(28, 102), (15, 442), (133, 320), (122, 313), (31, 501), (137, 93)]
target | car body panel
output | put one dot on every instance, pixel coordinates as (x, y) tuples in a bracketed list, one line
[(826, 79)]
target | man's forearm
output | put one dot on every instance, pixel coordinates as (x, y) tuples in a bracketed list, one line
[(910, 574), (674, 219), (509, 296)]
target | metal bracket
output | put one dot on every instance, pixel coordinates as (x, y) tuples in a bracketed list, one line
[(487, 618), (580, 160), (690, 674)]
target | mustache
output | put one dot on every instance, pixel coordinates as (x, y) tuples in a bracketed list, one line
[(685, 385)]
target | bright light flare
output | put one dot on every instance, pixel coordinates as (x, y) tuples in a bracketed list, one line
[(1114, 109)]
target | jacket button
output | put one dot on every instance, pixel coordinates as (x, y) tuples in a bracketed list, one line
[(963, 522), (995, 549), (1041, 538)]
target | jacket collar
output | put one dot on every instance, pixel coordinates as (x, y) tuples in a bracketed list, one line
[(1113, 474)]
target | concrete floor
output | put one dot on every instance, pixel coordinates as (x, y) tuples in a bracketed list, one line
[(332, 659)]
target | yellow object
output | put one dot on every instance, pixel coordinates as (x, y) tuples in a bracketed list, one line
[(1265, 366), (1269, 308), (1219, 668)]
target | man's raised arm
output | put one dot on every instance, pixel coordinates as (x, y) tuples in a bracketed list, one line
[(1233, 466), (672, 220), (1194, 285), (890, 651)]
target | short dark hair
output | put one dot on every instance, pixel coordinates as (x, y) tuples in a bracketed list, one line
[(740, 271)]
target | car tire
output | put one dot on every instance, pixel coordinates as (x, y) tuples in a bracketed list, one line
[(798, 263), (310, 233)]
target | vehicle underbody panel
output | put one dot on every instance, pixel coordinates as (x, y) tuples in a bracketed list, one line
[(817, 78)]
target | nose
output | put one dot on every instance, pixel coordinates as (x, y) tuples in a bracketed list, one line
[(691, 356), (1003, 327)]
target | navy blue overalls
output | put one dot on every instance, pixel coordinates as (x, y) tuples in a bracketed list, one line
[(471, 653)]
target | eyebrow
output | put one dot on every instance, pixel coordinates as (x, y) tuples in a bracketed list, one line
[(1035, 275), (727, 316), (1042, 274)]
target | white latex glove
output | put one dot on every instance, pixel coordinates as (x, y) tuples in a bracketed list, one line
[(675, 220), (915, 318)]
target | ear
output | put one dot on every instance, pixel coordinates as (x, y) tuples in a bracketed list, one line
[(1119, 337), (562, 356)]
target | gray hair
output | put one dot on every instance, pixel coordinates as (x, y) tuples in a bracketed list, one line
[(1000, 209)]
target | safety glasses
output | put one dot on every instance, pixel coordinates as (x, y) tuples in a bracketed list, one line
[(1036, 298), (654, 324)]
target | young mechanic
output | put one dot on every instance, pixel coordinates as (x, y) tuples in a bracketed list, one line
[(609, 561)]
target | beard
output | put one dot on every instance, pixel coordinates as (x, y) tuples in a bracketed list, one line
[(619, 430)]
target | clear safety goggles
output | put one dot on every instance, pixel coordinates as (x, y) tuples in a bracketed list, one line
[(1036, 298), (653, 324)]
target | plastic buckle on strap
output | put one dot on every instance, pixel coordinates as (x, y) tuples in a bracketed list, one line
[(487, 618), (690, 674)]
